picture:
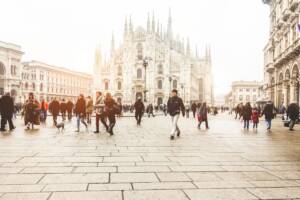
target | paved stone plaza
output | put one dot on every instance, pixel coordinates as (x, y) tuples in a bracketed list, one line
[(141, 163)]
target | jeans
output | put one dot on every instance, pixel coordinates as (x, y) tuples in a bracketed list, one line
[(80, 119), (5, 119), (112, 122), (269, 123), (246, 124), (175, 128)]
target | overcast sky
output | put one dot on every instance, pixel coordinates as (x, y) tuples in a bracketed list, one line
[(66, 32)]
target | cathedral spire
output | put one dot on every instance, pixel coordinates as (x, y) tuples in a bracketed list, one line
[(196, 51), (125, 27), (148, 24), (130, 26), (112, 45), (153, 23), (169, 30), (188, 49), (157, 27), (98, 58)]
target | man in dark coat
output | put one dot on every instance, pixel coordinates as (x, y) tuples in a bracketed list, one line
[(54, 110), (70, 106), (150, 110), (268, 112), (175, 105), (293, 114), (7, 110), (139, 110)]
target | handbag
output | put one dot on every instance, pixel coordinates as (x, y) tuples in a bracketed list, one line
[(199, 117)]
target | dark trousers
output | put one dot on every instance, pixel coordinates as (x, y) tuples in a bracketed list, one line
[(194, 113), (246, 123), (100, 117), (70, 115), (138, 117), (63, 115), (255, 125), (150, 113), (4, 120), (54, 119), (112, 122), (206, 123), (292, 124)]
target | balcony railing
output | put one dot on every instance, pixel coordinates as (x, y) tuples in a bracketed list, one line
[(289, 53)]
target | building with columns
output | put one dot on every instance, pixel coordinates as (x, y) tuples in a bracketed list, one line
[(243, 92), (281, 54), (48, 81), (150, 62), (10, 68)]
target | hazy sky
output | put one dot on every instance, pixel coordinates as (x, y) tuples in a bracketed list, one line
[(66, 32)]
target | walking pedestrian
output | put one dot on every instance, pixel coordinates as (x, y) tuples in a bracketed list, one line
[(187, 111), (31, 112), (89, 109), (111, 108), (70, 106), (246, 113), (175, 105), (80, 111), (194, 109), (268, 112), (54, 110), (44, 109), (139, 110), (202, 116), (7, 110), (150, 110), (293, 115), (255, 117), (100, 114), (63, 109)]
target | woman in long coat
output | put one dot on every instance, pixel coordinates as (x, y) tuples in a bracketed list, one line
[(89, 109), (31, 112)]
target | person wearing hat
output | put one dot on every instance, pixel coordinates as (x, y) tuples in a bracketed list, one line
[(175, 105), (139, 110)]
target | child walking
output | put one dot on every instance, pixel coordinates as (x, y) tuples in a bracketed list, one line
[(255, 118)]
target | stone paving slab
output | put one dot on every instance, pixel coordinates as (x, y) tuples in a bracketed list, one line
[(224, 162)]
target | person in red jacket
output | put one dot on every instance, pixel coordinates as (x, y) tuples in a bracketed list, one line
[(255, 117)]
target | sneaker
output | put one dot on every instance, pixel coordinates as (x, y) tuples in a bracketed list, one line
[(2, 129), (96, 132), (77, 131), (291, 129), (172, 137), (178, 134)]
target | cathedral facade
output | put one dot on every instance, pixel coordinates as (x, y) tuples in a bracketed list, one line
[(151, 62)]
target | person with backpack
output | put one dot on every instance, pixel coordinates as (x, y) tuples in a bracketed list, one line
[(139, 110), (54, 109), (31, 109), (100, 114), (175, 105), (7, 110)]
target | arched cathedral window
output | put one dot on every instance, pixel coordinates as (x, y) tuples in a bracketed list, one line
[(139, 73)]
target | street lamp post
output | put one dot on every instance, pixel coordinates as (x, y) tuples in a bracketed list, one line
[(145, 64), (183, 90), (170, 81)]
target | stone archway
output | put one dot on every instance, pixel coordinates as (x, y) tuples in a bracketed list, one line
[(2, 78)]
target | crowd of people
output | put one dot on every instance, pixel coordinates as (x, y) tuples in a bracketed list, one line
[(248, 113), (106, 109)]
